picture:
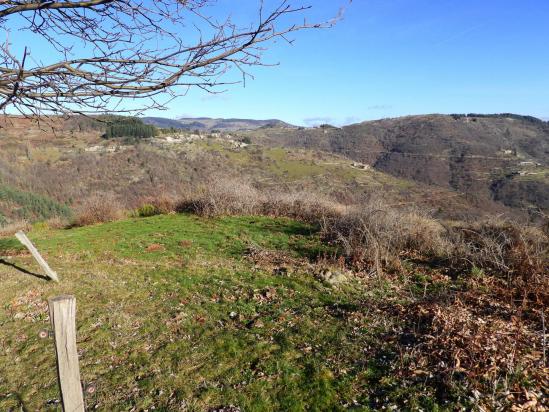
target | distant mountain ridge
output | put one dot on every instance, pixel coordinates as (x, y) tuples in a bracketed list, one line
[(210, 124)]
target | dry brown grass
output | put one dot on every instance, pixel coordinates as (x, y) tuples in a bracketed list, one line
[(162, 204), (58, 223), (12, 228), (225, 197), (480, 343), (98, 208)]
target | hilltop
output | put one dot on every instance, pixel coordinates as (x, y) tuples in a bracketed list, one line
[(180, 312)]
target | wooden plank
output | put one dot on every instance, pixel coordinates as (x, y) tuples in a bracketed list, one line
[(63, 321), (43, 264)]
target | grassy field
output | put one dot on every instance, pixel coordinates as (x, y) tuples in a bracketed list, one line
[(182, 313)]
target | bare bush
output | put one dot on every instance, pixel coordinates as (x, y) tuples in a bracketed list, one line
[(376, 235), (222, 197), (57, 222), (520, 255), (306, 206), (162, 204), (98, 209)]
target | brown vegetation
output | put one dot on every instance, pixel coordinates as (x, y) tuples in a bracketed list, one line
[(98, 209), (375, 235), (222, 197), (483, 337), (12, 228), (515, 254)]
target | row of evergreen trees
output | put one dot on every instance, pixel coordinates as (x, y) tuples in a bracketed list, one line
[(129, 127)]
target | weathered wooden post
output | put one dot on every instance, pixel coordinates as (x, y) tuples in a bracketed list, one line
[(43, 264), (63, 321)]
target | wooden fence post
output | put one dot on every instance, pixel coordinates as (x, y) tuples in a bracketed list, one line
[(43, 264), (63, 320)]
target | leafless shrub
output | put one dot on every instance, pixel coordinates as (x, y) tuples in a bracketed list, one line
[(164, 203), (305, 206), (222, 197), (98, 209), (161, 204), (520, 255), (376, 235), (57, 223), (225, 196)]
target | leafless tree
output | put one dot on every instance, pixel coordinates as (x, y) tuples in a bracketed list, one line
[(106, 51)]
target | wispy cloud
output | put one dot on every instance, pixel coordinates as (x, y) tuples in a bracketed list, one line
[(317, 121), (380, 107)]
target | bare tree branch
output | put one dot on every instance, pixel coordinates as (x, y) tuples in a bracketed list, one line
[(111, 50)]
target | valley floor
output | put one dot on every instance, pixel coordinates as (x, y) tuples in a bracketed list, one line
[(178, 312)]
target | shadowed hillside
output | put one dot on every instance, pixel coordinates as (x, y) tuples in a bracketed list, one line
[(495, 160)]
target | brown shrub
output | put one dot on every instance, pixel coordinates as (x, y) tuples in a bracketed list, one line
[(98, 209), (304, 206), (376, 235), (57, 223), (517, 254), (222, 197), (161, 204)]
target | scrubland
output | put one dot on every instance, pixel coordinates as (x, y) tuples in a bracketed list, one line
[(227, 297)]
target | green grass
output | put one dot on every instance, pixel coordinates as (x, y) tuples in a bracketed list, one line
[(154, 324), (535, 174), (294, 165)]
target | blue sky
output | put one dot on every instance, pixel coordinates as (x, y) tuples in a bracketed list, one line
[(389, 58), (397, 57)]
